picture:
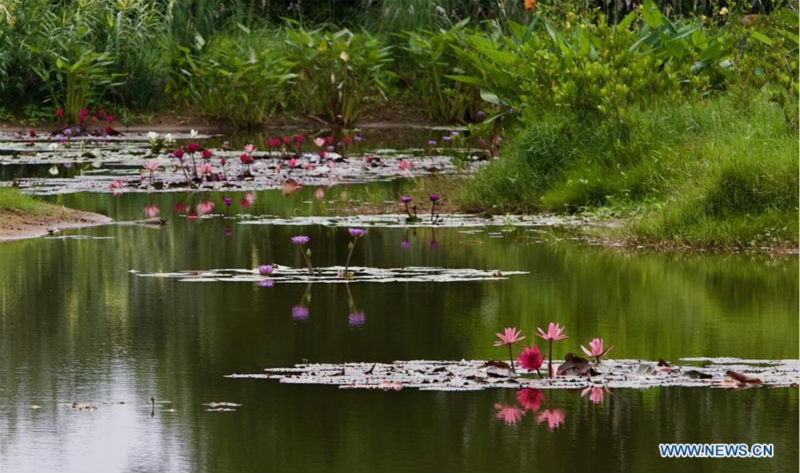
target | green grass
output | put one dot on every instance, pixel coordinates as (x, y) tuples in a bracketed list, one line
[(12, 200), (718, 172)]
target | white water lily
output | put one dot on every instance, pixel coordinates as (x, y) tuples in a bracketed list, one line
[(53, 170), (152, 137), (53, 147), (168, 138), (192, 133)]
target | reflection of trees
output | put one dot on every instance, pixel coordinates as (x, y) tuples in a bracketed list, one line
[(647, 305)]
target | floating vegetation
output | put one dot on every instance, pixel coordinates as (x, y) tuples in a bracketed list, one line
[(477, 375), (401, 221), (336, 274), (221, 406), (135, 163)]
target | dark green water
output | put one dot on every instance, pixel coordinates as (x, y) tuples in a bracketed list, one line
[(76, 326)]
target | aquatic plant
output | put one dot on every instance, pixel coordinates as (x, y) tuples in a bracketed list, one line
[(299, 241), (339, 72), (151, 166), (554, 333), (596, 349), (531, 359), (265, 269), (355, 233), (509, 337), (433, 198)]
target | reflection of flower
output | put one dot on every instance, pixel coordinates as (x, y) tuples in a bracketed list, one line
[(508, 413), (151, 211), (356, 319), (300, 312), (596, 393), (205, 207), (267, 282), (530, 399), (553, 418), (405, 244)]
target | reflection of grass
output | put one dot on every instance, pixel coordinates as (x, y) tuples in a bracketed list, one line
[(12, 200)]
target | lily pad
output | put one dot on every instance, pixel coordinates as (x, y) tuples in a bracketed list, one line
[(335, 274), (477, 375)]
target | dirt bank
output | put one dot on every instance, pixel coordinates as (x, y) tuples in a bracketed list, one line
[(18, 225)]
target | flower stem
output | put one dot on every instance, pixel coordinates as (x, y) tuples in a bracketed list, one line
[(308, 262), (349, 254), (433, 208), (550, 360), (511, 359)]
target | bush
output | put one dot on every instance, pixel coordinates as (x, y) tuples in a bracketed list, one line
[(242, 77), (337, 72)]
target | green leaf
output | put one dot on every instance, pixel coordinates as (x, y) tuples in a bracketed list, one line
[(761, 37), (490, 97)]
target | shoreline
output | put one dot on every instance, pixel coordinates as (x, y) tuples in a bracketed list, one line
[(21, 225)]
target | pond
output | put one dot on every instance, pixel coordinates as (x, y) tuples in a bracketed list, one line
[(85, 344)]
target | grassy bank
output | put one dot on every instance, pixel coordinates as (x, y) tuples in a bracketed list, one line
[(716, 172), (14, 201)]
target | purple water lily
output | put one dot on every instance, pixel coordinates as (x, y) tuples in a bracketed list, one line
[(356, 233), (299, 241)]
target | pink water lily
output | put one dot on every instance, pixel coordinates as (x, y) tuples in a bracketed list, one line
[(509, 337), (249, 148), (596, 349), (319, 141), (508, 413), (554, 333), (530, 358), (205, 169)]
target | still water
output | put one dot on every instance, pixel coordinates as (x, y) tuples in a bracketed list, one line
[(77, 327)]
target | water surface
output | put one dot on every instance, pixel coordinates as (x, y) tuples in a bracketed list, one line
[(76, 326)]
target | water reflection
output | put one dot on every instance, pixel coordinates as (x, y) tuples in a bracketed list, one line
[(596, 393)]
